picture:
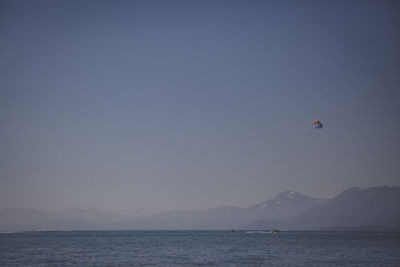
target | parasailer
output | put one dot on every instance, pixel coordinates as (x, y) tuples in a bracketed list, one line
[(317, 128)]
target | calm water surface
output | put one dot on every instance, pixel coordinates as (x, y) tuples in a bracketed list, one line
[(199, 248)]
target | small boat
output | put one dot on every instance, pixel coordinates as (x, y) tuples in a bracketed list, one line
[(274, 231)]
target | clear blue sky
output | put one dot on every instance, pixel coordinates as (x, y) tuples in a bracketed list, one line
[(195, 104)]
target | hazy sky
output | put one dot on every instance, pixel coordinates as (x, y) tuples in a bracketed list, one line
[(195, 104)]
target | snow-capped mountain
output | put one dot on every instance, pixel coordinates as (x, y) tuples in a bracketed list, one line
[(369, 208), (285, 204)]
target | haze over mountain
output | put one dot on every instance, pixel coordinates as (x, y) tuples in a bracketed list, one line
[(355, 207), (369, 208)]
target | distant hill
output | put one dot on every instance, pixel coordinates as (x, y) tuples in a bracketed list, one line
[(286, 204), (365, 209), (355, 208), (282, 205)]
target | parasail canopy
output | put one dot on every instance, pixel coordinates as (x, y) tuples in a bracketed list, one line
[(318, 124)]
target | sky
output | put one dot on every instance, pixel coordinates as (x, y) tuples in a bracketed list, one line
[(171, 105)]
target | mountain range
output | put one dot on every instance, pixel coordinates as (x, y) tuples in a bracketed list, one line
[(374, 208)]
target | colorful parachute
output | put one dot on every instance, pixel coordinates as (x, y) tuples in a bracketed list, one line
[(318, 124)]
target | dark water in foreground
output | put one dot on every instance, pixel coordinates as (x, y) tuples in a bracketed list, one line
[(199, 248)]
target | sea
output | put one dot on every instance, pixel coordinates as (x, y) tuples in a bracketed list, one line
[(199, 248)]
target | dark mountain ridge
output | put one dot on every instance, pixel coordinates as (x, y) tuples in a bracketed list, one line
[(376, 207)]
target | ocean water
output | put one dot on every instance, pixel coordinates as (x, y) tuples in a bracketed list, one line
[(199, 248)]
